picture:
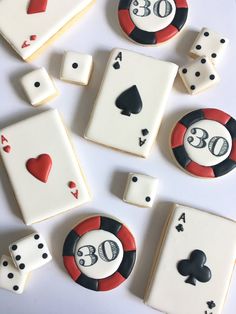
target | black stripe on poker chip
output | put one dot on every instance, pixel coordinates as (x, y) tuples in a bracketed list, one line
[(88, 282), (143, 37), (224, 167), (192, 117), (124, 4), (127, 264), (230, 125), (110, 225), (181, 156), (180, 18), (70, 243)]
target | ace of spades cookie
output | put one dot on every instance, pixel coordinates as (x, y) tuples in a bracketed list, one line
[(131, 102), (194, 264), (42, 167)]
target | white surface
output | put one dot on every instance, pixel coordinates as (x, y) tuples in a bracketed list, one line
[(31, 256), (51, 290), (169, 290)]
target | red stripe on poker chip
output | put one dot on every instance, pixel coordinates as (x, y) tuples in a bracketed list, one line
[(71, 266), (166, 34), (111, 282), (125, 21), (181, 4), (216, 115), (201, 171), (177, 137), (90, 224), (127, 239), (233, 151)]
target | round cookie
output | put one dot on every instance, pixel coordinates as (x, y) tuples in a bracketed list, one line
[(99, 253), (204, 143), (151, 22)]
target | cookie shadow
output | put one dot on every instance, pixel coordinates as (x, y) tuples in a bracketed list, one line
[(118, 183), (112, 17), (9, 50), (184, 44), (89, 94), (147, 251), (54, 65)]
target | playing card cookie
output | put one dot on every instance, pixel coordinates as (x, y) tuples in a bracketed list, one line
[(42, 167), (30, 25), (99, 253), (131, 102), (203, 143), (192, 271), (151, 22)]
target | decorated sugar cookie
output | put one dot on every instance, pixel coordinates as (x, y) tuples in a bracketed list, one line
[(204, 143), (151, 22), (99, 253), (29, 25)]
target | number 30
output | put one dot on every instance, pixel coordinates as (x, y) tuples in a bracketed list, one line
[(161, 8)]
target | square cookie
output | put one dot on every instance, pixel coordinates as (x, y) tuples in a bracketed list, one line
[(199, 75), (42, 167), (38, 87), (194, 264), (210, 44), (76, 68), (140, 190), (30, 253), (33, 24), (10, 277), (131, 102)]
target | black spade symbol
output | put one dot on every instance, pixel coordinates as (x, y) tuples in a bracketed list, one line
[(194, 268), (130, 101)]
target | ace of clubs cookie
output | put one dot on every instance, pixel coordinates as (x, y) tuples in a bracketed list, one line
[(29, 25), (42, 167), (193, 270), (130, 105)]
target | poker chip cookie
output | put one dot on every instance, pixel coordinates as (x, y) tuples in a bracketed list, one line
[(99, 253), (151, 22), (204, 143)]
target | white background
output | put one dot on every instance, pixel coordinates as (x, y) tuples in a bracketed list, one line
[(50, 289)]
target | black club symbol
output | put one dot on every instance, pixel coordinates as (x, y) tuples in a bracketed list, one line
[(180, 228), (194, 268), (211, 304)]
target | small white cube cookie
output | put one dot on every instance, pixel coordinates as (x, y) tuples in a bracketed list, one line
[(199, 75), (209, 43), (76, 68), (39, 87), (30, 253), (10, 277), (140, 190)]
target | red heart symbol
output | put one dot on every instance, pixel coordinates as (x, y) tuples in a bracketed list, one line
[(40, 167), (7, 148)]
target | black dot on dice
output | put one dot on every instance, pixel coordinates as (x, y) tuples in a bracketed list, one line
[(206, 34), (197, 74), (15, 288), (40, 246), (22, 266), (75, 65), (36, 84), (212, 77), (36, 237), (214, 55), (10, 275), (5, 263), (14, 247), (134, 179), (222, 41), (18, 257), (203, 61), (148, 199), (185, 71), (193, 87), (198, 47), (44, 256)]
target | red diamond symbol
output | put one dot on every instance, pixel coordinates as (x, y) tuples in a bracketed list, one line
[(37, 6)]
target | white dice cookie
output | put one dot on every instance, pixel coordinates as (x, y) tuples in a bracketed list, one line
[(34, 24), (140, 190), (210, 44), (30, 253), (10, 277), (76, 68), (43, 167), (131, 102), (194, 264), (39, 87), (199, 75)]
